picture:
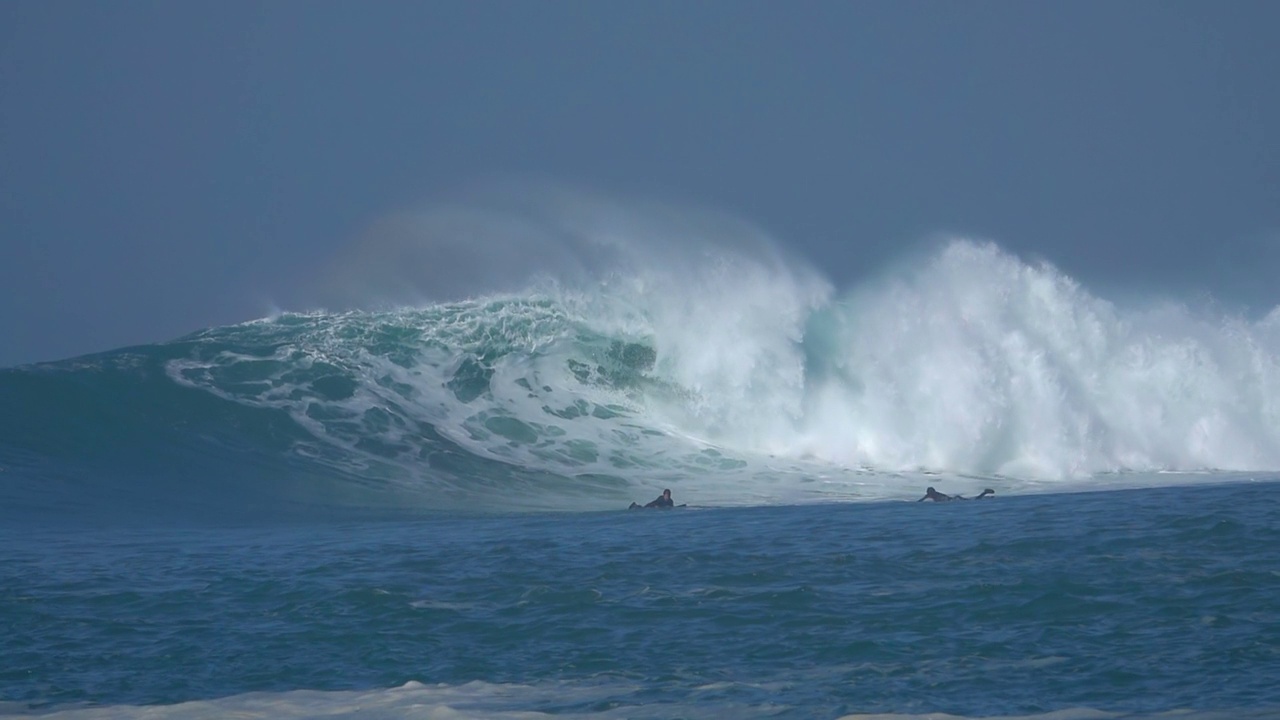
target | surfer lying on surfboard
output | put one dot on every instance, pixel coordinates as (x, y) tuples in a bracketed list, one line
[(936, 496), (663, 501)]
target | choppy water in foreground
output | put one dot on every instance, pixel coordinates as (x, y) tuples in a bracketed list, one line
[(1132, 602)]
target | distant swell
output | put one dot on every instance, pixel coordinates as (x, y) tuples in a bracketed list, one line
[(737, 378)]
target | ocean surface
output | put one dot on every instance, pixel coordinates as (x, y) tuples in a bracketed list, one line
[(420, 512)]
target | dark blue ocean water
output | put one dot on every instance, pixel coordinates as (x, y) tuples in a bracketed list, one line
[(1133, 602)]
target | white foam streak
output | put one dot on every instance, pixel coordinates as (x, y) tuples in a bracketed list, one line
[(470, 701), (480, 700)]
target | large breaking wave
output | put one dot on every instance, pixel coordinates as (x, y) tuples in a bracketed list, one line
[(731, 374)]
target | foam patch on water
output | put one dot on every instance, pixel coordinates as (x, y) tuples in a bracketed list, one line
[(471, 701), (487, 701)]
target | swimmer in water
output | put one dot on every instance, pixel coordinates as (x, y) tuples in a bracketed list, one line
[(663, 501), (934, 495)]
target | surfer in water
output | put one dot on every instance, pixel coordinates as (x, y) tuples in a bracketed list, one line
[(663, 501), (934, 495)]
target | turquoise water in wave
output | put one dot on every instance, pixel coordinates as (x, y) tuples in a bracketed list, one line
[(1130, 602)]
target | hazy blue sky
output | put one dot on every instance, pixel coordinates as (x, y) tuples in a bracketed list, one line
[(166, 166)]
